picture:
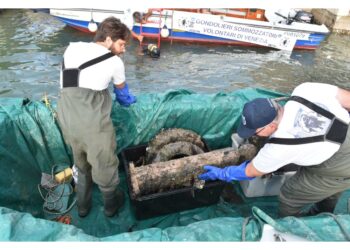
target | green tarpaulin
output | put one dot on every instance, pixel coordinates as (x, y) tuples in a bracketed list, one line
[(31, 144)]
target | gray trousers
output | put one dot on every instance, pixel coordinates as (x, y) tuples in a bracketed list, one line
[(84, 117), (320, 186)]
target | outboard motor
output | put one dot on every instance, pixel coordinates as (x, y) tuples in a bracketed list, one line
[(288, 16), (304, 17)]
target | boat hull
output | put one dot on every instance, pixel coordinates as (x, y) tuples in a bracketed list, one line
[(79, 18), (76, 24), (312, 43)]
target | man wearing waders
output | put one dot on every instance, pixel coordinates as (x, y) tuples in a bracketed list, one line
[(84, 110), (311, 131)]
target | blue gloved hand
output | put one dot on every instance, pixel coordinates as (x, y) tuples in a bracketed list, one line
[(123, 96), (228, 174)]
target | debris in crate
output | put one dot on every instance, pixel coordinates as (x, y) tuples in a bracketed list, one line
[(140, 161), (176, 150), (171, 201), (174, 143)]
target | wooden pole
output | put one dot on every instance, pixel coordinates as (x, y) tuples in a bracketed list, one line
[(179, 173)]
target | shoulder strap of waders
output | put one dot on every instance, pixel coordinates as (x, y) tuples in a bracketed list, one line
[(71, 76), (96, 60), (313, 107), (93, 61), (311, 139)]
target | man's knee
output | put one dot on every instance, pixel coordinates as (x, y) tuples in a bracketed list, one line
[(106, 177), (288, 209)]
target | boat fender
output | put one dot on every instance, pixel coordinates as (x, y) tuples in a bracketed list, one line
[(92, 26), (164, 32)]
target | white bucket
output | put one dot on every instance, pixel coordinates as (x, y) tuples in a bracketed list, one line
[(265, 186), (236, 140)]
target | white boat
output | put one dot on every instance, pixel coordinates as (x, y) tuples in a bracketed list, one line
[(240, 27), (80, 18)]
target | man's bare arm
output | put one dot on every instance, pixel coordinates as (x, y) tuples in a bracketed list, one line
[(251, 171), (343, 97)]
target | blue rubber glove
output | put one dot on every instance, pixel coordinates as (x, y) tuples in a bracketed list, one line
[(228, 174), (123, 96)]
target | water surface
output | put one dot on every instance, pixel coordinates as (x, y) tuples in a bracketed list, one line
[(32, 45)]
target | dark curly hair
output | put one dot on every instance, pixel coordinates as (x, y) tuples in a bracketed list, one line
[(113, 28)]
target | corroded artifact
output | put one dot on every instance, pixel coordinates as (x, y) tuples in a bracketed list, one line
[(179, 173)]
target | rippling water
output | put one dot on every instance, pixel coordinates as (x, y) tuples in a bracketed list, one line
[(32, 44)]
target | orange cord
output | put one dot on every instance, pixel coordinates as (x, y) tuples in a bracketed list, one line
[(65, 219)]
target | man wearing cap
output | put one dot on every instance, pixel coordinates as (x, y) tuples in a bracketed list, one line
[(311, 131)]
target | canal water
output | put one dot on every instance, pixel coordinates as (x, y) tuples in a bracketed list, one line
[(32, 44)]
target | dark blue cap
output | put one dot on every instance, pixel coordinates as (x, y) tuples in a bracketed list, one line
[(256, 114)]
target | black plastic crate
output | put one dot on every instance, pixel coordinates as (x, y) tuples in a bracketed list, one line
[(152, 205)]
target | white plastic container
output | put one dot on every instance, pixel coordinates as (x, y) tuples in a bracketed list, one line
[(237, 141), (265, 186)]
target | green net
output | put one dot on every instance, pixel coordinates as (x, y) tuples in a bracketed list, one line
[(32, 143)]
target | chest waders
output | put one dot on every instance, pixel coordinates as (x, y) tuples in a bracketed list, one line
[(97, 161), (311, 186), (71, 75), (336, 131)]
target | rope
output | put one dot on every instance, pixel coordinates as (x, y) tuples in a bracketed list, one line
[(55, 203), (244, 227), (49, 106), (246, 222)]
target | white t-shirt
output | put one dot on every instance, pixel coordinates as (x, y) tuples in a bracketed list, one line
[(97, 76), (298, 122)]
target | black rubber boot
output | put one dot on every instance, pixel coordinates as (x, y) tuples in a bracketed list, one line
[(113, 200), (84, 193), (327, 205)]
